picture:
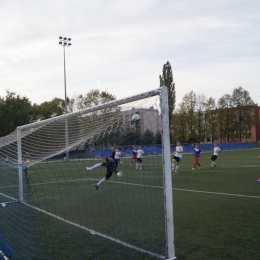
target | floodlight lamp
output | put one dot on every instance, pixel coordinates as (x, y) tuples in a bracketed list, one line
[(64, 38), (60, 37), (60, 42), (69, 39), (69, 44), (65, 43)]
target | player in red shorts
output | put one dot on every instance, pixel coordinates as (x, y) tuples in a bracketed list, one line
[(196, 152), (134, 156)]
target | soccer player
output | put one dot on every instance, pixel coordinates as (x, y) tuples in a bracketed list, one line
[(117, 156), (139, 158), (177, 157), (27, 159), (110, 166), (134, 153), (113, 153), (7, 159), (214, 157), (197, 153)]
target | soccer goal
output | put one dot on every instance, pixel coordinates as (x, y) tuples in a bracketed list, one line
[(52, 203)]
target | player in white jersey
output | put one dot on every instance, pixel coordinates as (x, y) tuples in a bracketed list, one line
[(7, 159), (214, 157), (177, 158), (117, 156), (139, 159)]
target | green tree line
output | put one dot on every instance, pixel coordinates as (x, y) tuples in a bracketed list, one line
[(198, 118)]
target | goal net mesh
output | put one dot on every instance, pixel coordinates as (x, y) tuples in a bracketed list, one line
[(50, 208)]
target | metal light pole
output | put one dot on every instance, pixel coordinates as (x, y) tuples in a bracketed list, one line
[(65, 42)]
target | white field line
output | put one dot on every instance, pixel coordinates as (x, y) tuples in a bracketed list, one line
[(150, 186), (3, 255)]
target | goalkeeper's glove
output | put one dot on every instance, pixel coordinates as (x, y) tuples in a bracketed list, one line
[(119, 174)]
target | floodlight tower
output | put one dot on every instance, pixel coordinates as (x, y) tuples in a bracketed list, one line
[(65, 42)]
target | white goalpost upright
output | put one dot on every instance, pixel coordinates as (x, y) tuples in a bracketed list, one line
[(166, 156), (20, 164), (126, 218)]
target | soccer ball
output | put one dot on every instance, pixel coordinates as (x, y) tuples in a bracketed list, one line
[(135, 117)]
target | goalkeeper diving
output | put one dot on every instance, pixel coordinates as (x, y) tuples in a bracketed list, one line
[(110, 165)]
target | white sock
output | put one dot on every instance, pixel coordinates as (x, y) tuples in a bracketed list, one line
[(212, 164), (173, 164), (95, 166), (177, 168), (101, 181), (137, 166)]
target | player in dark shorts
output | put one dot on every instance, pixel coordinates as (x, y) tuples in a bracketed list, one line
[(214, 157), (111, 168), (176, 158)]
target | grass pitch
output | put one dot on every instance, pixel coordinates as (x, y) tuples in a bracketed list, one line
[(216, 212)]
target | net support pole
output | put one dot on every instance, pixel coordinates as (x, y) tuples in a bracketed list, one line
[(67, 139), (20, 164), (169, 225)]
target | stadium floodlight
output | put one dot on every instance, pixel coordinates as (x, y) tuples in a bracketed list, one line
[(64, 42)]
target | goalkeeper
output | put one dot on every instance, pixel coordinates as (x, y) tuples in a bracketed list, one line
[(110, 166)]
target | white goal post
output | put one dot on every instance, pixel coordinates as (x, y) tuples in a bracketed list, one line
[(37, 146)]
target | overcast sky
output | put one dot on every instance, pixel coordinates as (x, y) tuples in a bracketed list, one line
[(121, 46)]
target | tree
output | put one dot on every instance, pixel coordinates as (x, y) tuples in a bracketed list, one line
[(179, 124), (48, 109), (189, 104), (244, 112), (94, 97), (167, 80), (224, 117), (14, 111), (147, 137), (200, 108), (158, 138), (211, 119)]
